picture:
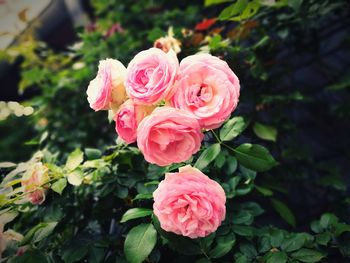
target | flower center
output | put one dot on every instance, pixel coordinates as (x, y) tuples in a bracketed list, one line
[(199, 95)]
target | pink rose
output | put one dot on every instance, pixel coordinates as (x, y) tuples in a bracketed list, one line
[(207, 88), (33, 183), (189, 203), (107, 91), (168, 136), (151, 75), (128, 118)]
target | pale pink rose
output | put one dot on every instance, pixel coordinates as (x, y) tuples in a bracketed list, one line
[(151, 75), (128, 118), (107, 91), (34, 183), (189, 203), (207, 88), (168, 136)]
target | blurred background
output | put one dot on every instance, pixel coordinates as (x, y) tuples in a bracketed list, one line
[(292, 58)]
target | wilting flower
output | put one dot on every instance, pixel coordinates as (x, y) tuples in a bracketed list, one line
[(33, 183), (168, 135), (128, 118), (107, 91), (207, 88), (168, 42), (151, 75), (189, 203)]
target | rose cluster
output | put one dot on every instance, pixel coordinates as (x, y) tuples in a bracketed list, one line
[(165, 106)]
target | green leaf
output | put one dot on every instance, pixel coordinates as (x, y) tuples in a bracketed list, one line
[(265, 132), (44, 231), (39, 232), (143, 196), (74, 159), (59, 185), (231, 165), (328, 220), (7, 165), (340, 228), (250, 10), (253, 208), (140, 242), (242, 217), (220, 159), (293, 243), (274, 3), (240, 258), (307, 255), (215, 2), (232, 128), (92, 153), (208, 156), (295, 4), (243, 230), (223, 246), (248, 250), (134, 213), (254, 157), (264, 191), (284, 211), (277, 257), (7, 215), (264, 244), (74, 253), (233, 9), (323, 238), (276, 237), (75, 177)]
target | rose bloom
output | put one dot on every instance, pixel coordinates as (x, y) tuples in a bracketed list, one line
[(107, 91), (33, 183), (189, 203), (151, 75), (168, 136), (207, 88), (128, 118)]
